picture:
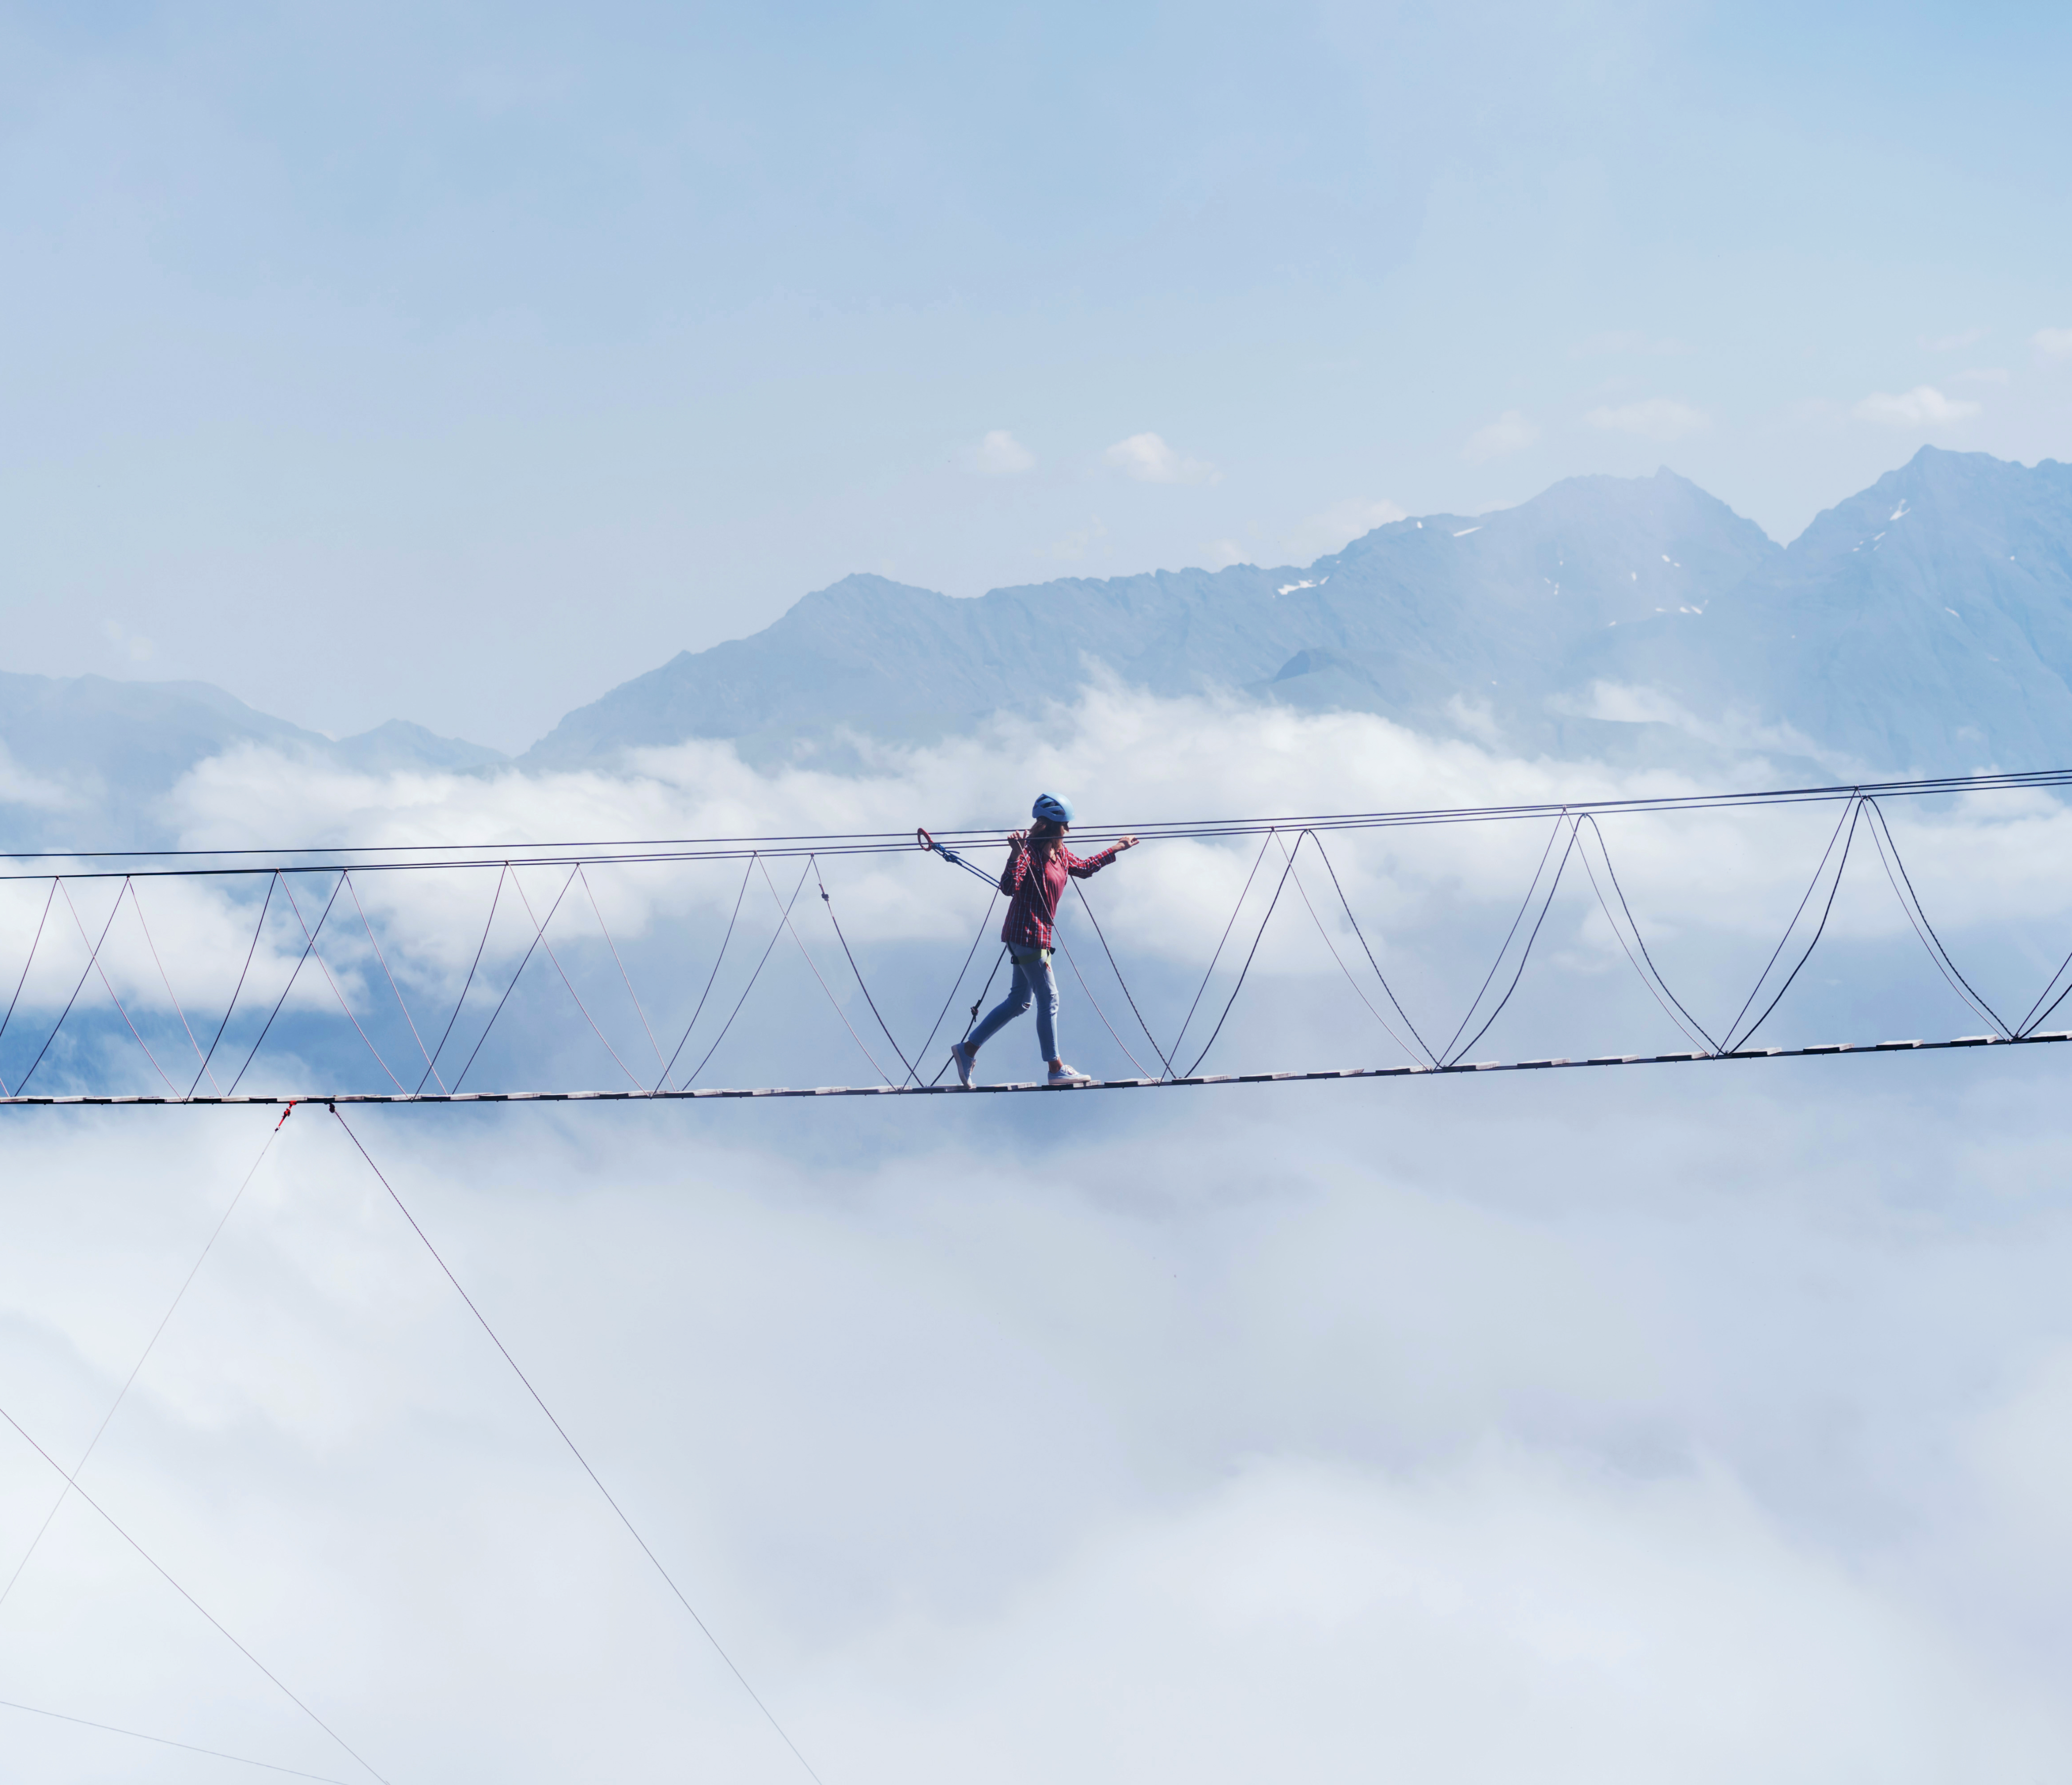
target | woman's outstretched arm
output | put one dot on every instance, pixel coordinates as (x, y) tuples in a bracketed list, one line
[(1083, 865)]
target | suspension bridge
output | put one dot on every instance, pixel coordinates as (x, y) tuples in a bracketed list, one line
[(309, 903)]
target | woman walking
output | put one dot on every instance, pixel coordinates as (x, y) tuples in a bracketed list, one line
[(1038, 864)]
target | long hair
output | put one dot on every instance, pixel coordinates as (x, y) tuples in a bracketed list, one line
[(1046, 838)]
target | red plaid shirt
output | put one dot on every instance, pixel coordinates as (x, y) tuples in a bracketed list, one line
[(1032, 906)]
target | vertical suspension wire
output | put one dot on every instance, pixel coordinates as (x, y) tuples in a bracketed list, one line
[(1848, 839), (1258, 937), (397, 990), (598, 910), (257, 930), (829, 904), (921, 1056), (323, 967), (1093, 1003), (109, 984), (524, 960), (1916, 915), (785, 912), (92, 957), (1164, 1062), (1243, 893), (29, 960), (467, 984), (1693, 1030), (309, 948), (768, 949), (1452, 1051), (1324, 935), (137, 905), (1727, 1043), (518, 880), (711, 978), (1525, 954), (1317, 843)]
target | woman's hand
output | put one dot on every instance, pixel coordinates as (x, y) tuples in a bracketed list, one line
[(1017, 841), (1125, 843)]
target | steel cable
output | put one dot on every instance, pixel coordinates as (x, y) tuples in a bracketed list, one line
[(517, 881), (1525, 954), (1163, 1061), (157, 1332), (323, 967), (1448, 1053), (109, 984), (785, 912), (1656, 986), (167, 1741), (589, 892), (34, 942), (710, 978), (167, 980), (237, 990), (860, 986), (1259, 936), (108, 1519), (1244, 892), (467, 984), (1729, 1044), (1909, 902), (1317, 843), (524, 960), (396, 990), (985, 923), (310, 948), (1324, 935), (769, 947), (1826, 910), (561, 1431)]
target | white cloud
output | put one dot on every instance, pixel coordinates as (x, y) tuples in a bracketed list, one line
[(1661, 418), (1924, 406), (2053, 344), (1299, 1431), (1511, 432), (1950, 343), (1000, 454), (1148, 458), (1319, 535), (1982, 375), (19, 787), (1219, 554), (1586, 1536)]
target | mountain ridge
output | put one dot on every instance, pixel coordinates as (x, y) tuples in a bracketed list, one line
[(1923, 622)]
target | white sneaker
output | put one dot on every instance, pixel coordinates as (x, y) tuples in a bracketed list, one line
[(1068, 1074), (963, 1058)]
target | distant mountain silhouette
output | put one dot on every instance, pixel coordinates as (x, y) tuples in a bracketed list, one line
[(1415, 616), (85, 744), (1926, 623)]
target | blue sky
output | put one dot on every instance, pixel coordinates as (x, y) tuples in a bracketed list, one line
[(458, 362)]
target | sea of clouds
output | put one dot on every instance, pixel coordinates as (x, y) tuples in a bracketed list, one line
[(1693, 1421)]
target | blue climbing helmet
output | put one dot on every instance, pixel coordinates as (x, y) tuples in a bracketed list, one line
[(1053, 808)]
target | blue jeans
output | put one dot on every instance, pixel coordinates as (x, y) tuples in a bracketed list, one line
[(1032, 976)]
